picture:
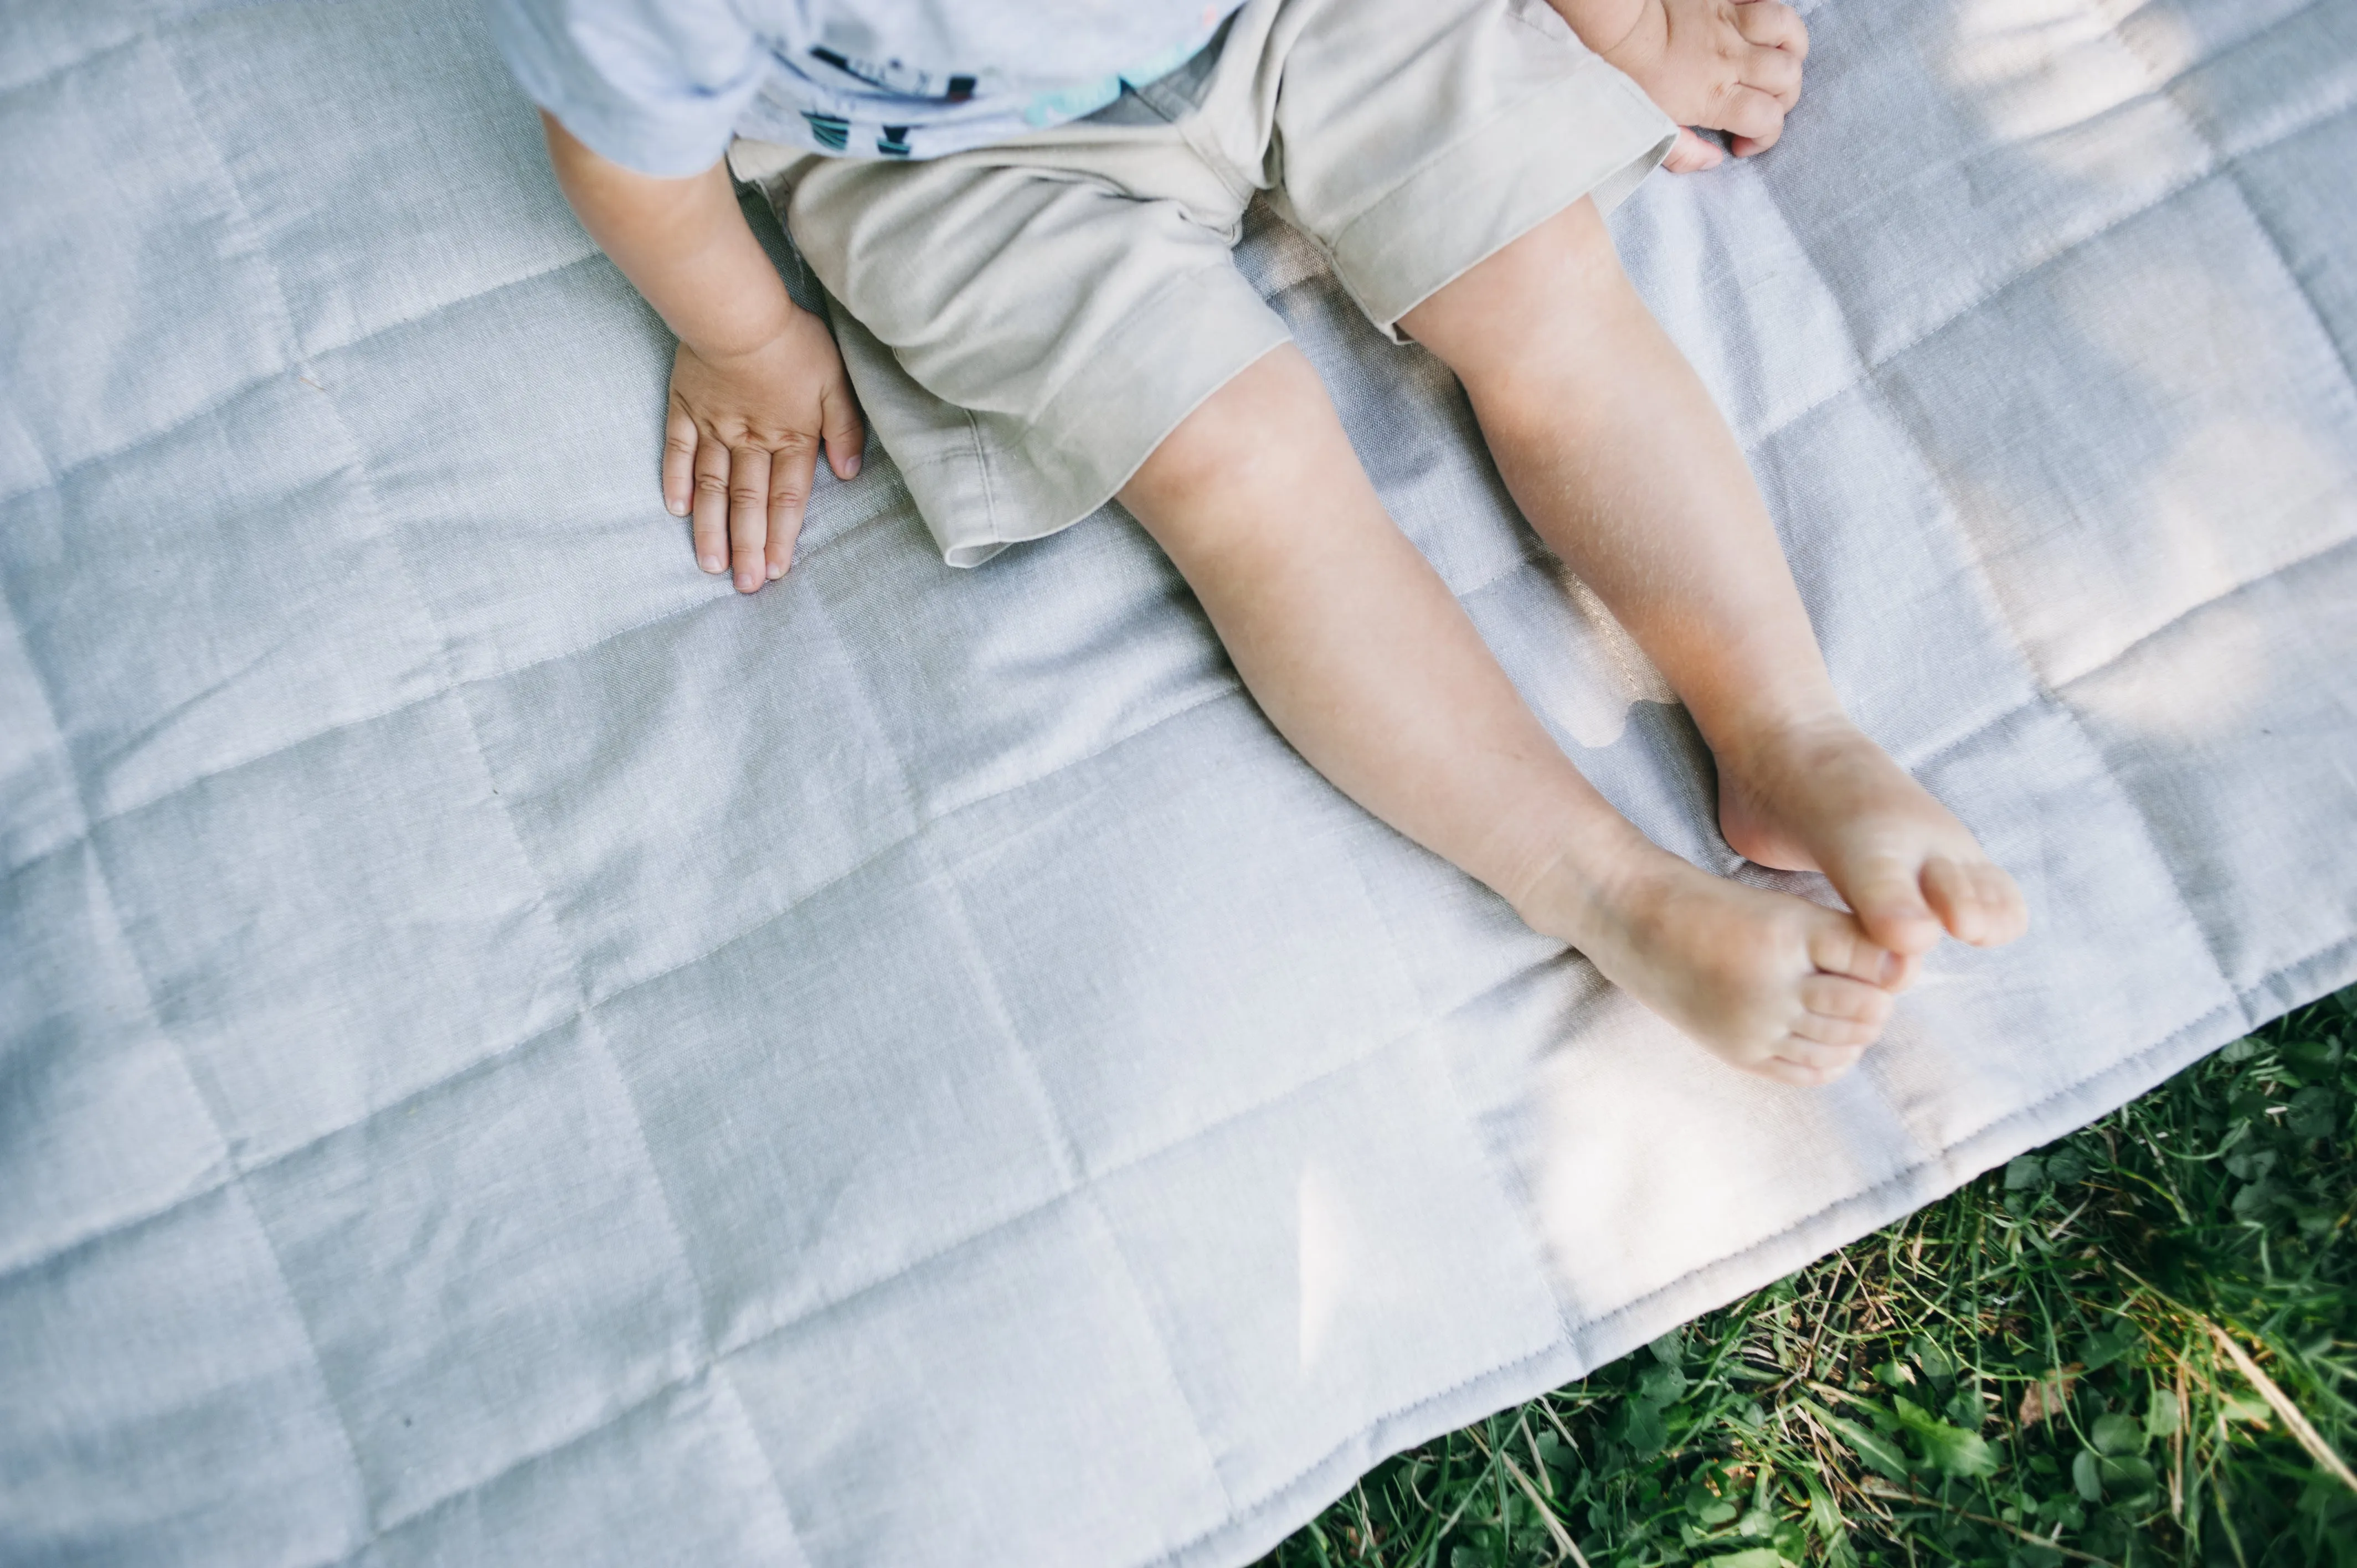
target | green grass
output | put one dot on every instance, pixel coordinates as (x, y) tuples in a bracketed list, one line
[(2032, 1371)]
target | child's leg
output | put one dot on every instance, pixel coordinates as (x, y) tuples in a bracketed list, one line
[(1358, 654), (1615, 452)]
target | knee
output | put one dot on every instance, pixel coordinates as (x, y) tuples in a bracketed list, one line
[(1538, 304), (1266, 414)]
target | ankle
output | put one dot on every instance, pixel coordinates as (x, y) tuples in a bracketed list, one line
[(1580, 888), (1769, 740)]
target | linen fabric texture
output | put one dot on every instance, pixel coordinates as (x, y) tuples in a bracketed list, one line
[(1025, 323), (661, 85), (512, 1053)]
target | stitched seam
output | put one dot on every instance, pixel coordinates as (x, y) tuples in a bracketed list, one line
[(541, 904), (1873, 368), (2231, 163), (923, 825), (36, 83), (504, 1052), (257, 1167), (296, 364), (1068, 1157), (1907, 1175), (1269, 1500), (2070, 715), (2339, 945), (1274, 1495), (291, 1303), (2222, 597), (1023, 1216)]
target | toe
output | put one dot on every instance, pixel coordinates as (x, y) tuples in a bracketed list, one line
[(1976, 901), (1848, 1034), (1950, 887), (1807, 1064), (2008, 912), (1841, 1010), (1888, 899), (1836, 946)]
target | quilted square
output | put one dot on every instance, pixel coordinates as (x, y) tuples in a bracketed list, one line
[(1950, 148), (679, 785), (1907, 617), (1318, 1265), (2318, 239), (514, 451), (989, 680), (2175, 35), (1269, 871), (140, 294), (1721, 251), (293, 616), (1004, 1372), (100, 1384), (366, 209), (2288, 70), (834, 1098), (402, 928), (2248, 688), (81, 1046), (442, 1211), (692, 1485), (2096, 422)]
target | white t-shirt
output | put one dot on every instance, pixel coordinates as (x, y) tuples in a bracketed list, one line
[(659, 86)]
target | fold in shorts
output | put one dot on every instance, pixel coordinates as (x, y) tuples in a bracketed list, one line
[(1025, 323)]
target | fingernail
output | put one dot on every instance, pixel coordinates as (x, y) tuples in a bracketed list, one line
[(711, 563), (776, 570), (746, 582), (674, 511), (851, 469)]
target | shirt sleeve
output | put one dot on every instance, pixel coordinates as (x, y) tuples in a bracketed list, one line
[(653, 85)]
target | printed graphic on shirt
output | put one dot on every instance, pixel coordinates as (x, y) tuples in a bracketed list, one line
[(935, 95)]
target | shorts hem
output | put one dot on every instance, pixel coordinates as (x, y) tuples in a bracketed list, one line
[(1184, 343), (1594, 135)]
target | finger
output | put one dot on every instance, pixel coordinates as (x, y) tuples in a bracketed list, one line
[(749, 515), (1772, 25), (1775, 73), (845, 434), (1690, 153), (711, 505), (791, 469), (679, 461), (1751, 117)]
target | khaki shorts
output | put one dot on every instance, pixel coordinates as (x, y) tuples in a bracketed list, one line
[(1025, 323)]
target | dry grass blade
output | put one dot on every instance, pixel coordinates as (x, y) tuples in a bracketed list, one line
[(1563, 1540), (2035, 1370), (2047, 1397), (2318, 1449)]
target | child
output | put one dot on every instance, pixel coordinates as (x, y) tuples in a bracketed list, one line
[(1022, 216)]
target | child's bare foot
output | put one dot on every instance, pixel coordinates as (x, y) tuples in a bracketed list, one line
[(1774, 984), (1822, 797)]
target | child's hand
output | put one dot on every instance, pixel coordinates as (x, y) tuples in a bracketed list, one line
[(741, 445), (1725, 65)]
